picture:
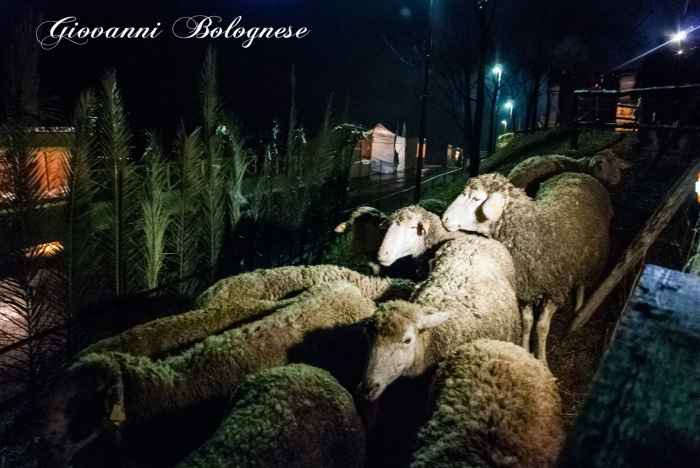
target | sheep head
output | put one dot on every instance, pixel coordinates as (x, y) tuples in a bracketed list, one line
[(406, 235), (476, 209), (86, 402), (396, 343), (606, 166), (368, 226)]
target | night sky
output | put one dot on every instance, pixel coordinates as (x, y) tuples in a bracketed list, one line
[(354, 49)]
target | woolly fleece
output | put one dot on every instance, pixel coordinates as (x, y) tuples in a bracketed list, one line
[(495, 405), (473, 278), (210, 369), (286, 417), (559, 240), (236, 300)]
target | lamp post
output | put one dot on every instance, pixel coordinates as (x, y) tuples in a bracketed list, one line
[(505, 126), (424, 104), (510, 105), (494, 105)]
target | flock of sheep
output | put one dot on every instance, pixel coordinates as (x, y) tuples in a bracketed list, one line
[(263, 371)]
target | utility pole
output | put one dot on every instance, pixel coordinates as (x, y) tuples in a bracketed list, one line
[(424, 104)]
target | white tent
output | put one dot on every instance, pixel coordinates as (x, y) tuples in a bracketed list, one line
[(386, 146)]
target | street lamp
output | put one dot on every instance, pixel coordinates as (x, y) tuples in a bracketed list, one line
[(680, 36), (505, 126), (424, 104), (497, 70), (510, 105)]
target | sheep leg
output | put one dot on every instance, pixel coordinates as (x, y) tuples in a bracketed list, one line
[(543, 330), (528, 321), (579, 297)]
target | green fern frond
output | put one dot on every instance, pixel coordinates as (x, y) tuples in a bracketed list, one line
[(80, 252), (119, 188), (156, 212), (214, 188), (188, 188)]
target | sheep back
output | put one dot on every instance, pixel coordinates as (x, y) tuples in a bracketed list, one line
[(560, 239), (234, 301), (495, 405), (535, 170), (473, 276), (292, 416)]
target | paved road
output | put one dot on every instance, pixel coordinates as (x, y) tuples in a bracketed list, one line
[(368, 189)]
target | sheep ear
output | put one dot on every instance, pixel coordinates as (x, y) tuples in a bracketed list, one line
[(422, 228), (623, 164), (433, 320), (493, 206), (341, 227)]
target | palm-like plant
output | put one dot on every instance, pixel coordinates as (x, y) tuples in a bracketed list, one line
[(29, 303), (156, 212), (236, 161), (214, 187), (79, 243), (118, 189), (187, 190)]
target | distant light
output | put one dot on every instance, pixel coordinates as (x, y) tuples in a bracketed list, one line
[(509, 104), (680, 52), (497, 69), (680, 36), (48, 249), (504, 122), (405, 13)]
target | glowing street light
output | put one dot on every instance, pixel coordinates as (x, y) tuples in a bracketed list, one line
[(497, 70), (510, 105), (505, 125), (679, 36)]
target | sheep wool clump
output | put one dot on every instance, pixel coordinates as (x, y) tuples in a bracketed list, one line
[(286, 417), (494, 406)]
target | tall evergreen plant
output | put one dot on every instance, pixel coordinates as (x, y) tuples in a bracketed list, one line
[(79, 252), (156, 202), (214, 183), (119, 189), (187, 196)]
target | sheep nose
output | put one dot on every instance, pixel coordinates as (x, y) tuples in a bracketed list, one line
[(368, 389)]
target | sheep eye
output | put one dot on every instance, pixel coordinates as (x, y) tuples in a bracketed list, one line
[(407, 341)]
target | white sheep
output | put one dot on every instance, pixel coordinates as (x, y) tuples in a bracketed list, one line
[(107, 394), (414, 232), (605, 166), (493, 405), (291, 416), (470, 294), (237, 300), (558, 241), (368, 227)]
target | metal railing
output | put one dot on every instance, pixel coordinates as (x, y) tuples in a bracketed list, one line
[(632, 109)]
